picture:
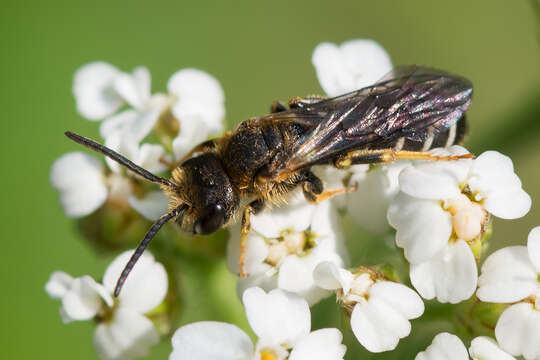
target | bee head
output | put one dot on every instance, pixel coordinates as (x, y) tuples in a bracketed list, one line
[(202, 184)]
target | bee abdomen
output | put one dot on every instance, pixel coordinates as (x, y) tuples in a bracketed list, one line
[(448, 137)]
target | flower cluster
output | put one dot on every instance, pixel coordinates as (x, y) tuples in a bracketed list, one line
[(281, 321), (296, 254), (192, 109), (512, 275), (124, 330), (447, 346), (442, 214), (286, 245)]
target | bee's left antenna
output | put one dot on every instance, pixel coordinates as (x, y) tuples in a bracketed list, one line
[(144, 243), (111, 154)]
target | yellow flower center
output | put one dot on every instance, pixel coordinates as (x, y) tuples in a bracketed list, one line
[(268, 356)]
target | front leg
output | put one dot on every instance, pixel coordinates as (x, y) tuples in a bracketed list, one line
[(252, 208)]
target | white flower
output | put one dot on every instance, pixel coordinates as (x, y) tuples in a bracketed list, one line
[(123, 332), (93, 87), (198, 103), (352, 65), (450, 275), (80, 181), (281, 321), (380, 310), (510, 275), (100, 89), (84, 185), (444, 205), (445, 346), (286, 244), (198, 97), (485, 348)]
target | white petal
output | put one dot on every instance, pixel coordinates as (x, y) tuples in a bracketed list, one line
[(94, 92), (79, 179), (150, 156), (533, 247), (378, 326), (146, 285), (210, 340), (491, 171), (353, 65), (445, 346), (84, 299), (429, 182), (191, 133), (450, 276), (134, 88), (296, 274), (508, 204), (199, 97), (122, 145), (151, 206), (256, 252), (124, 132), (485, 348), (507, 276), (117, 123), (401, 298), (323, 344), (58, 285), (518, 331), (423, 227), (295, 216), (279, 317), (128, 335), (329, 276)]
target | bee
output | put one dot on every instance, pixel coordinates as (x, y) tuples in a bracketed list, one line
[(409, 111)]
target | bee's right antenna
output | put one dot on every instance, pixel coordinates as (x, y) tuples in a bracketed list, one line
[(144, 243), (111, 154)]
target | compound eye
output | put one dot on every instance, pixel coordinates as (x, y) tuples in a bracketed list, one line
[(211, 220)]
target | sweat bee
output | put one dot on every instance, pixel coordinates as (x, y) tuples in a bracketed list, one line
[(409, 111)]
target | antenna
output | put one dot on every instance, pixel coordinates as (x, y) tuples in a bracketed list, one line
[(144, 243), (111, 154)]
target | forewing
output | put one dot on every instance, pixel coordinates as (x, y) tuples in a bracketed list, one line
[(410, 102)]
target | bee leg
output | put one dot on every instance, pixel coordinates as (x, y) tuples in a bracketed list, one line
[(298, 102), (276, 107), (312, 186), (389, 155), (252, 208), (314, 192)]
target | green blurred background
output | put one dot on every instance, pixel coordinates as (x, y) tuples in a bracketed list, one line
[(260, 52)]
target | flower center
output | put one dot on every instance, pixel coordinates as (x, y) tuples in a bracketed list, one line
[(359, 291), (106, 314), (289, 243), (467, 217), (268, 356)]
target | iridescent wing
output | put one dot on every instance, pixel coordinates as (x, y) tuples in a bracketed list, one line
[(411, 102)]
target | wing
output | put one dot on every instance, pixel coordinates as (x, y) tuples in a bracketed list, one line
[(411, 101)]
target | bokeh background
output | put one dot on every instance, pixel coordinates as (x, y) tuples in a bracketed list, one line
[(260, 52)]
